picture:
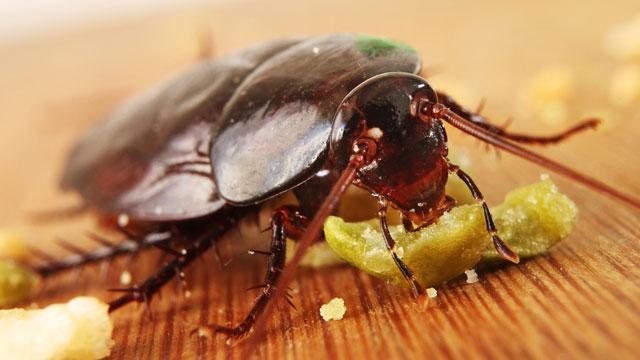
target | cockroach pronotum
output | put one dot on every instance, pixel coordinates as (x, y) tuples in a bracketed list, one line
[(197, 153)]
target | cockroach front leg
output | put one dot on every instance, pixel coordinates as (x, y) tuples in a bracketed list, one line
[(286, 221), (502, 248), (391, 246), (481, 121)]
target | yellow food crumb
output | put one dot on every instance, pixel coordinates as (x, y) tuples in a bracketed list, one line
[(432, 293), (333, 310), (125, 278), (16, 282), (472, 276), (625, 85), (623, 40), (531, 220), (13, 245), (79, 329)]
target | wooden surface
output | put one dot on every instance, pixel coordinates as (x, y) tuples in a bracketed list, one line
[(581, 300)]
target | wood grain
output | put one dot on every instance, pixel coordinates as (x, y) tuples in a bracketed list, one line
[(581, 300)]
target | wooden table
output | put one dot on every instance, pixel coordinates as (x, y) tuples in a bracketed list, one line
[(581, 300)]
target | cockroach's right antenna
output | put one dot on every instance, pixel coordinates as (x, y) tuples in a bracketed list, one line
[(428, 110)]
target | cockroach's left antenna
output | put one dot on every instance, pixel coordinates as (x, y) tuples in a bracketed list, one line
[(429, 110), (363, 151)]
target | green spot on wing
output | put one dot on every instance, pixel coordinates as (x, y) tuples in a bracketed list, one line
[(375, 46)]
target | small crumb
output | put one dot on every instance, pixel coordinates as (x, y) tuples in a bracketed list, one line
[(123, 220), (316, 50), (333, 310), (13, 245), (125, 278), (203, 332), (400, 252), (432, 293), (187, 294), (472, 276), (16, 282)]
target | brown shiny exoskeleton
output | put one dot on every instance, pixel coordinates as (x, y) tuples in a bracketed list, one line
[(194, 155)]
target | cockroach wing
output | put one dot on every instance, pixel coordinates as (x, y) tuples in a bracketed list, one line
[(146, 159), (276, 126)]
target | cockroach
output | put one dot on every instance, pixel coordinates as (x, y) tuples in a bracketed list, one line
[(195, 154)]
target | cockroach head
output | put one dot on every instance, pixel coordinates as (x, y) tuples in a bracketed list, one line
[(408, 168)]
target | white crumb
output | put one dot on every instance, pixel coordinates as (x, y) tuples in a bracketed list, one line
[(333, 310), (472, 276), (432, 293), (123, 220), (125, 278)]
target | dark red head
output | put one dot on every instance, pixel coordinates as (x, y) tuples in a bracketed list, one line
[(409, 167)]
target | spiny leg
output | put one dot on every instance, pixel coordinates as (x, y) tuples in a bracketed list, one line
[(502, 248), (106, 251), (481, 121), (145, 291), (286, 221), (391, 246)]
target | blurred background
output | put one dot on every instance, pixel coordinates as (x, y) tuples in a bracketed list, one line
[(545, 65)]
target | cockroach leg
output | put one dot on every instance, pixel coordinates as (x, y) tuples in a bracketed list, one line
[(481, 121), (502, 248), (146, 290), (391, 246), (286, 221), (102, 253), (168, 249), (364, 150), (99, 239), (42, 255), (70, 247)]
